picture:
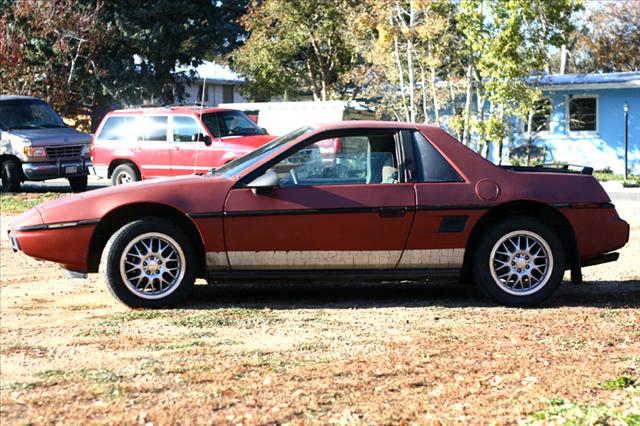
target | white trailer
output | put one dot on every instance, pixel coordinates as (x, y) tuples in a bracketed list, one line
[(280, 118)]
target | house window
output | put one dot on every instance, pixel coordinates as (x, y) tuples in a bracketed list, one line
[(583, 114), (227, 94), (203, 90), (541, 116)]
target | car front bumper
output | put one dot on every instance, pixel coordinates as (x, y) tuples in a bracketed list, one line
[(56, 169)]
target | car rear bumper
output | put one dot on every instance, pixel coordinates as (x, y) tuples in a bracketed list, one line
[(56, 169), (598, 231)]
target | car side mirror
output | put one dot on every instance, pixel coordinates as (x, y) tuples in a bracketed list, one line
[(264, 184), (199, 137)]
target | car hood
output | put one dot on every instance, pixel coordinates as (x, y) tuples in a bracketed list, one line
[(250, 142), (188, 194), (52, 136)]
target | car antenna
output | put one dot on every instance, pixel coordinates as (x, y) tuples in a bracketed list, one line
[(204, 88)]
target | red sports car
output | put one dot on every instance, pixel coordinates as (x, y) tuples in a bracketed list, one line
[(398, 201)]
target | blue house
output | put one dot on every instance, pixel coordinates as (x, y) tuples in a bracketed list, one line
[(582, 120)]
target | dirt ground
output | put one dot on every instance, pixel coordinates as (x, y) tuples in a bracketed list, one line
[(332, 354)]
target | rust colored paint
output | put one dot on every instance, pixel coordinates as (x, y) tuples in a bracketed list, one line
[(597, 230), (487, 189), (67, 246), (348, 218)]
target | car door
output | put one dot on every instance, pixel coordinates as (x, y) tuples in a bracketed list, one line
[(445, 210), (188, 156), (349, 210), (153, 146)]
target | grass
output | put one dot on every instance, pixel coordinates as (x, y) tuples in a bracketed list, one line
[(605, 177), (575, 414), (621, 382), (242, 318), (18, 203)]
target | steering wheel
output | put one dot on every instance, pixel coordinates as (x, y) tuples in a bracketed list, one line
[(294, 177), (235, 130)]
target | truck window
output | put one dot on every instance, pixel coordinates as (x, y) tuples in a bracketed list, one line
[(152, 128), (117, 128), (184, 128)]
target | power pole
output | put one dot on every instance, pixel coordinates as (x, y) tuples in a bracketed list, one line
[(626, 140)]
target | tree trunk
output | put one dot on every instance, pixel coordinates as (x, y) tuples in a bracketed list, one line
[(312, 80), (436, 107), (401, 75), (466, 132), (322, 68), (424, 94), (410, 69)]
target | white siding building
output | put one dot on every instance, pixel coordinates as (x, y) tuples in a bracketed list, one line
[(220, 85)]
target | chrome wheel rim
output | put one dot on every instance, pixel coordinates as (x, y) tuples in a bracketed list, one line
[(152, 265), (521, 263), (123, 178)]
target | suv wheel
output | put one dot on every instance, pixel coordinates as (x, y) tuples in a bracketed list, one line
[(149, 264), (78, 183), (519, 261), (124, 173), (10, 176)]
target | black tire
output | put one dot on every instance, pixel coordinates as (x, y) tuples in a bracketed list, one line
[(498, 275), (11, 176), (124, 173), (127, 290), (78, 183)]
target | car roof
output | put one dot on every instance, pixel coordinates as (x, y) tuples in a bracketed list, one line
[(15, 97), (354, 124), (182, 109)]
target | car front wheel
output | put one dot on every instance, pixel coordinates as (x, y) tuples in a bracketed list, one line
[(10, 176), (519, 261), (78, 183), (149, 263)]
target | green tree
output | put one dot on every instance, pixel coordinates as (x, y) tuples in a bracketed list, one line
[(296, 46), (505, 42), (410, 46)]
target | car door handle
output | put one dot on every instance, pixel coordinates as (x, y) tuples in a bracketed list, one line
[(176, 148), (392, 211)]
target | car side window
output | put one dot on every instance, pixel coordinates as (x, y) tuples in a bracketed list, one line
[(117, 128), (236, 123), (184, 128), (152, 128), (365, 159), (431, 167)]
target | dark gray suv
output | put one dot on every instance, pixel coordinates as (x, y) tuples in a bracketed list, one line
[(36, 145)]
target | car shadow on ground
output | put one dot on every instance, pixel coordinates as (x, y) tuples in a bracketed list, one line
[(601, 294)]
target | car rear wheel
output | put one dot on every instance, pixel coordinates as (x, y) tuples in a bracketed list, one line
[(149, 263), (124, 173), (519, 261), (78, 183), (10, 176)]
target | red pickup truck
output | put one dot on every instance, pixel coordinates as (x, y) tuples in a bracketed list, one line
[(143, 143)]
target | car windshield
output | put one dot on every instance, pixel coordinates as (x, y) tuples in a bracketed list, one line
[(28, 114), (225, 124), (238, 165)]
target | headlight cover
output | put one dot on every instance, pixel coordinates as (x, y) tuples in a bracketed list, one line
[(35, 151)]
